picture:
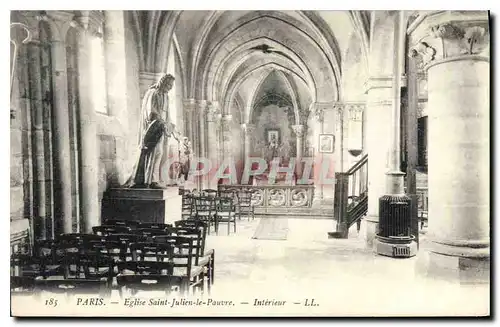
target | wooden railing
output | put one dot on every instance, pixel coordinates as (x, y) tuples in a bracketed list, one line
[(351, 197), (277, 199)]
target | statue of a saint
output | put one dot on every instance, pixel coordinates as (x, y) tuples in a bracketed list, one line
[(273, 148), (156, 100), (185, 154), (147, 170), (155, 128)]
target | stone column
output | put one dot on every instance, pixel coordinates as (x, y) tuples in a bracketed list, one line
[(89, 201), (39, 174), (456, 56), (299, 133), (213, 122), (189, 107), (226, 136), (319, 114), (248, 130), (61, 135), (379, 97), (202, 114), (116, 64)]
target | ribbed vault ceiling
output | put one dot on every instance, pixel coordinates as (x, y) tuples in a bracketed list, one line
[(225, 54)]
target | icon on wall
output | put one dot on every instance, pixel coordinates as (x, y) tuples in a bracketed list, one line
[(273, 136), (326, 143)]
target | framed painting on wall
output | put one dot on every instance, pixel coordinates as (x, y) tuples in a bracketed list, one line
[(326, 143), (273, 136)]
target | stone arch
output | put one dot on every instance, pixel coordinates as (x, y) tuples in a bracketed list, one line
[(279, 32), (361, 23), (247, 67), (241, 106), (233, 88), (355, 70), (253, 95), (215, 85), (162, 40), (293, 94), (196, 50), (179, 61), (137, 32)]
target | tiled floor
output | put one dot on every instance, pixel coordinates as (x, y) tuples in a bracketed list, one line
[(343, 276)]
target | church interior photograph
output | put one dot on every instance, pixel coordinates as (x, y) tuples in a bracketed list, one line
[(301, 162)]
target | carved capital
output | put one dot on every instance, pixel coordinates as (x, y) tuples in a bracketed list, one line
[(248, 128), (304, 115), (355, 111), (59, 21), (298, 130), (213, 113), (318, 111), (226, 123), (91, 21), (189, 105), (450, 35), (202, 108)]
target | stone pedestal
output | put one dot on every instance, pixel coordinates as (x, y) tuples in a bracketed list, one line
[(144, 205)]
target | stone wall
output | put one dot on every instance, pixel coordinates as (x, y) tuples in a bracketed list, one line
[(16, 168), (21, 191), (118, 135), (273, 117)]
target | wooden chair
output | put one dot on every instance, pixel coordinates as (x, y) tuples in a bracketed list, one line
[(205, 210), (105, 230), (116, 249), (210, 192), (126, 240), (159, 226), (22, 285), (44, 248), (149, 233), (73, 286), (25, 265), (79, 237), (193, 276), (144, 269), (90, 266), (198, 230), (225, 213), (187, 206), (144, 251), (132, 224), (137, 283), (245, 204), (236, 201)]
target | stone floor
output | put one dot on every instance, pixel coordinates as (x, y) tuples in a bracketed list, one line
[(342, 276), (339, 277)]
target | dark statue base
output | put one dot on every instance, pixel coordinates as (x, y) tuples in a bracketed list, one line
[(144, 205)]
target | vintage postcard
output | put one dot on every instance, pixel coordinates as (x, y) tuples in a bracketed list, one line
[(215, 163)]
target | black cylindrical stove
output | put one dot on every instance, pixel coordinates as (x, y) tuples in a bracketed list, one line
[(394, 231), (395, 216)]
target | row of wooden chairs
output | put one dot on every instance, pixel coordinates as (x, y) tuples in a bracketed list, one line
[(242, 200), (100, 257), (213, 211)]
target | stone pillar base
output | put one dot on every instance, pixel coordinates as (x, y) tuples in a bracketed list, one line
[(371, 230), (453, 268)]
